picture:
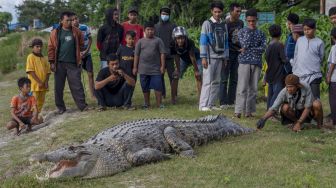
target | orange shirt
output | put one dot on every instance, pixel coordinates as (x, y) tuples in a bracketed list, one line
[(23, 107)]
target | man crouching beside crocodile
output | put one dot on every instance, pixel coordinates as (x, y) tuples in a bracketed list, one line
[(136, 143)]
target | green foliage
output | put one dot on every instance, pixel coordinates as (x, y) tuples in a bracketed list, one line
[(268, 5), (323, 30), (14, 49), (34, 9), (5, 17)]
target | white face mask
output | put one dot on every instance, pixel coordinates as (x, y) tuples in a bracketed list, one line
[(164, 18)]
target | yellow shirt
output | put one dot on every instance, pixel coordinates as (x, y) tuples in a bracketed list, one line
[(41, 67)]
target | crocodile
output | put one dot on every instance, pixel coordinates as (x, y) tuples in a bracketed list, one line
[(136, 143)]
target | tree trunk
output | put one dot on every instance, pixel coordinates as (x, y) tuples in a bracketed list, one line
[(322, 6)]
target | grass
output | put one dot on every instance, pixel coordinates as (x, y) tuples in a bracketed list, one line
[(274, 157)]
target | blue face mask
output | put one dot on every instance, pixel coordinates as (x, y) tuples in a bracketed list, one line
[(164, 18)]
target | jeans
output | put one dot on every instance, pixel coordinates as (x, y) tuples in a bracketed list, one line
[(229, 76), (273, 92), (120, 98)]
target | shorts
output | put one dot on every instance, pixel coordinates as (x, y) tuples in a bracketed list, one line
[(25, 120), (298, 113), (87, 63), (151, 82)]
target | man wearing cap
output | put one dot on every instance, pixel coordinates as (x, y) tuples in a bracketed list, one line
[(132, 24), (164, 30), (297, 31), (296, 104)]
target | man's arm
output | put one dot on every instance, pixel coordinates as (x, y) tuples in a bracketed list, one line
[(330, 72), (51, 47), (102, 83), (100, 38), (35, 113), (321, 52), (89, 46), (162, 62), (194, 63), (272, 110), (177, 64), (135, 65), (130, 81), (204, 43), (294, 60), (40, 83), (21, 124), (46, 84), (52, 50)]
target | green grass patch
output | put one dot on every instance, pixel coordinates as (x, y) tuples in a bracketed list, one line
[(273, 157)]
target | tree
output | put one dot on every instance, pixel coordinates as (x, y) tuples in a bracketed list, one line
[(48, 11), (5, 17)]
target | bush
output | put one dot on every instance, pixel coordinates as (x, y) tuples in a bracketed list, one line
[(14, 50)]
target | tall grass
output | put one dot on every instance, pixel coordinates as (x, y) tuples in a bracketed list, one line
[(14, 50)]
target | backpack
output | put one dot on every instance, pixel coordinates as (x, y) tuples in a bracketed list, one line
[(111, 43), (219, 36)]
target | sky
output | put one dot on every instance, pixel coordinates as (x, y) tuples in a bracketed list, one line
[(9, 6)]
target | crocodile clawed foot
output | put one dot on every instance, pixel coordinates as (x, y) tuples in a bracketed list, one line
[(188, 154)]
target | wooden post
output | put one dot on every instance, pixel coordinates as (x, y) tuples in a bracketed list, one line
[(322, 6)]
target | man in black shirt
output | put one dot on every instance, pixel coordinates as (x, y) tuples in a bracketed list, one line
[(184, 48), (230, 71), (109, 36), (113, 85)]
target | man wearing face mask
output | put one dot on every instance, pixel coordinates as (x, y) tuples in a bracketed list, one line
[(164, 30)]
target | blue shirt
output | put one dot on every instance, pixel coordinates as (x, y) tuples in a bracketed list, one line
[(86, 31), (290, 47)]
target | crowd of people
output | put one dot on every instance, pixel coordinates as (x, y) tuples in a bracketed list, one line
[(227, 66)]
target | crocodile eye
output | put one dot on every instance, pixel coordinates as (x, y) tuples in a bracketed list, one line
[(71, 148)]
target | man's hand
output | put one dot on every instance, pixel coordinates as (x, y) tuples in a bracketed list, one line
[(204, 63), (46, 85), (198, 76), (21, 125), (83, 54), (41, 85), (242, 50), (176, 74), (264, 83), (328, 79), (261, 123), (135, 71), (162, 70), (297, 127), (52, 67), (121, 72), (225, 63), (112, 77)]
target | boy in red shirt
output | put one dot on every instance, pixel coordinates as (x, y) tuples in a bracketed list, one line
[(132, 25), (23, 108)]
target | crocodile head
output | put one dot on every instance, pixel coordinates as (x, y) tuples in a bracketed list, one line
[(82, 161)]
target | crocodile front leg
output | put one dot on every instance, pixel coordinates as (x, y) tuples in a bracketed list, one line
[(177, 143), (146, 155)]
